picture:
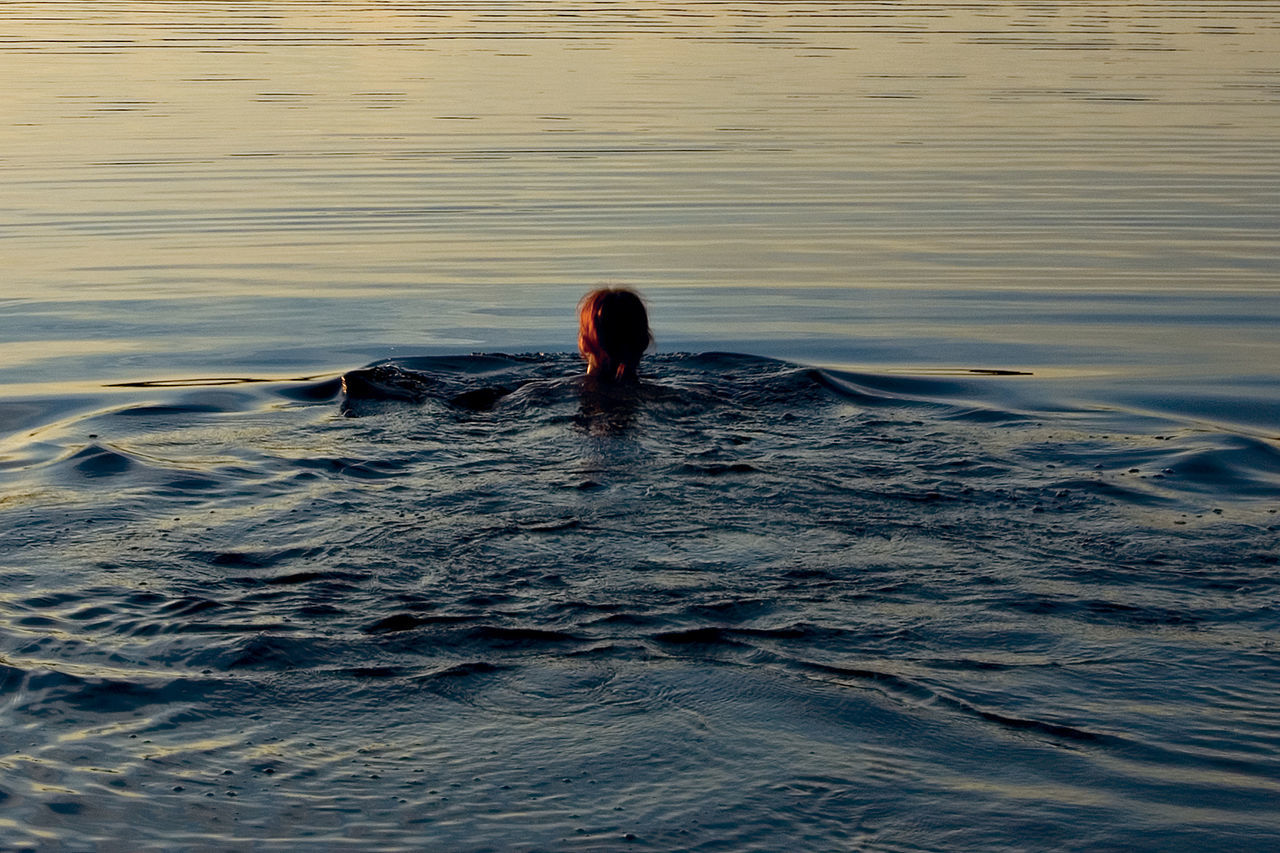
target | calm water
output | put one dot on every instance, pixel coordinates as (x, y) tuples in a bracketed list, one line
[(976, 549)]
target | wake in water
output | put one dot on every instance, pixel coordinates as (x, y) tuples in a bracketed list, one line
[(480, 602)]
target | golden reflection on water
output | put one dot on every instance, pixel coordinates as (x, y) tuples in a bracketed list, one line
[(167, 152)]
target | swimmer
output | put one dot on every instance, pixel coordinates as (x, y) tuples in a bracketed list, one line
[(613, 333)]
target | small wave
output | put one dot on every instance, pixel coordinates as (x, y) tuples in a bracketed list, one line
[(464, 670), (1236, 464), (46, 692), (273, 651), (718, 469), (262, 559), (190, 606), (331, 579), (203, 382), (500, 636), (708, 636), (398, 622), (363, 469), (165, 411), (98, 461), (917, 692)]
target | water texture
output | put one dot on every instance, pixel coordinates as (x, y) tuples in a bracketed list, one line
[(213, 188), (945, 518), (749, 606)]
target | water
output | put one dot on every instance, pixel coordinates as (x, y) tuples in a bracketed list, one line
[(975, 550)]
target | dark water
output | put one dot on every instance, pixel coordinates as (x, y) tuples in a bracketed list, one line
[(472, 604)]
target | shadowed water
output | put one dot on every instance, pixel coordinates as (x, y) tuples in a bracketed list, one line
[(471, 603), (976, 550)]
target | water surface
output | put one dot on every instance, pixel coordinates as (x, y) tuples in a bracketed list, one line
[(216, 185), (745, 606), (972, 544)]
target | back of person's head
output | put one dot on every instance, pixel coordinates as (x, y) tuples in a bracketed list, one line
[(613, 332)]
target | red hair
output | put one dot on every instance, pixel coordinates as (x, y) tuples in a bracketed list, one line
[(613, 332)]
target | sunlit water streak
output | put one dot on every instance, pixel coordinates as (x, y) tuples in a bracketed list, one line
[(895, 603)]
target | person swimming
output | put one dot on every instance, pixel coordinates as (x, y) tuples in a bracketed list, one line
[(613, 333)]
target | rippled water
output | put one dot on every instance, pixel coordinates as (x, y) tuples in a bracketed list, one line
[(975, 550), (749, 606), (211, 187)]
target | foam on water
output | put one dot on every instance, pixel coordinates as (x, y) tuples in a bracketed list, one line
[(472, 603)]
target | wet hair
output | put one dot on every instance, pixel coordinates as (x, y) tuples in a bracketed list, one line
[(613, 332)]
